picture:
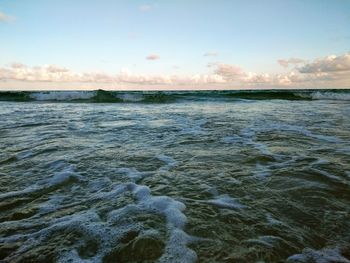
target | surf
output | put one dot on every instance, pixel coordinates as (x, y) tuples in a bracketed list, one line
[(104, 96)]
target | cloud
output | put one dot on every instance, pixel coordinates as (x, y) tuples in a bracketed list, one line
[(48, 73), (206, 79), (286, 62), (210, 54), (153, 57), (6, 18), (54, 73), (227, 71), (18, 65), (330, 64), (332, 71), (232, 74), (56, 69), (146, 8), (256, 78)]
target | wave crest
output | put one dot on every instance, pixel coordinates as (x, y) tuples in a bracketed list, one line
[(102, 96)]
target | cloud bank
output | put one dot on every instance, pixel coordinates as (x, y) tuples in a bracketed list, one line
[(331, 71), (328, 64)]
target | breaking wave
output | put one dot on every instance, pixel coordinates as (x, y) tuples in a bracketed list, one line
[(102, 96)]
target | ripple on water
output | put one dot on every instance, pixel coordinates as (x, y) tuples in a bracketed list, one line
[(195, 182)]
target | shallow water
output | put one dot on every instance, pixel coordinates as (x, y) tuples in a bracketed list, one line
[(191, 181)]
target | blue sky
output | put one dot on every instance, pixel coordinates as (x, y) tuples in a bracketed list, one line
[(110, 37)]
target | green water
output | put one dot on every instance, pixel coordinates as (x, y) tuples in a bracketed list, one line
[(191, 181)]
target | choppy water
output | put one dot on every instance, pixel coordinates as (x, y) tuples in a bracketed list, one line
[(188, 181)]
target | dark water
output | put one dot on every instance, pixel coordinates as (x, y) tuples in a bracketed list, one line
[(199, 178), (100, 96)]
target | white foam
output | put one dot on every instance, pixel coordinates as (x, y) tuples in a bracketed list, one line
[(267, 241), (63, 176), (119, 215), (302, 130), (225, 201), (116, 190), (212, 190), (262, 171), (57, 179), (328, 175), (233, 181), (87, 224), (99, 184), (107, 232), (319, 161), (25, 191), (52, 204), (164, 205), (62, 95), (133, 174), (176, 250), (141, 192), (319, 95), (170, 162), (248, 134), (272, 221), (325, 255), (190, 126)]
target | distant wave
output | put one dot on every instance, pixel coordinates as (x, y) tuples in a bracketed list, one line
[(102, 96), (330, 95)]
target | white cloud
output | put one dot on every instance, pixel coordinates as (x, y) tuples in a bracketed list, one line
[(152, 57), (291, 61), (328, 64), (18, 65), (251, 77), (6, 18), (233, 74), (332, 71), (53, 73), (227, 71), (206, 79)]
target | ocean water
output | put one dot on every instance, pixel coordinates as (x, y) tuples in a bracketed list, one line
[(261, 176)]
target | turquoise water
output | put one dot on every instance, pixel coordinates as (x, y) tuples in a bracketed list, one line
[(203, 179)]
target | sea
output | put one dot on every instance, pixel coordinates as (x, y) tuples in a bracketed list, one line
[(175, 176)]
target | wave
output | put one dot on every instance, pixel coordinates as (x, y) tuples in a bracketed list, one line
[(102, 96), (330, 95)]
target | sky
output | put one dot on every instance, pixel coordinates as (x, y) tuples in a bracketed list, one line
[(179, 44)]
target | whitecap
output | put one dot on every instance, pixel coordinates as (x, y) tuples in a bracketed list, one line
[(170, 162)]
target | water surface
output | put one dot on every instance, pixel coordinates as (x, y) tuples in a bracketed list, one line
[(209, 179)]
